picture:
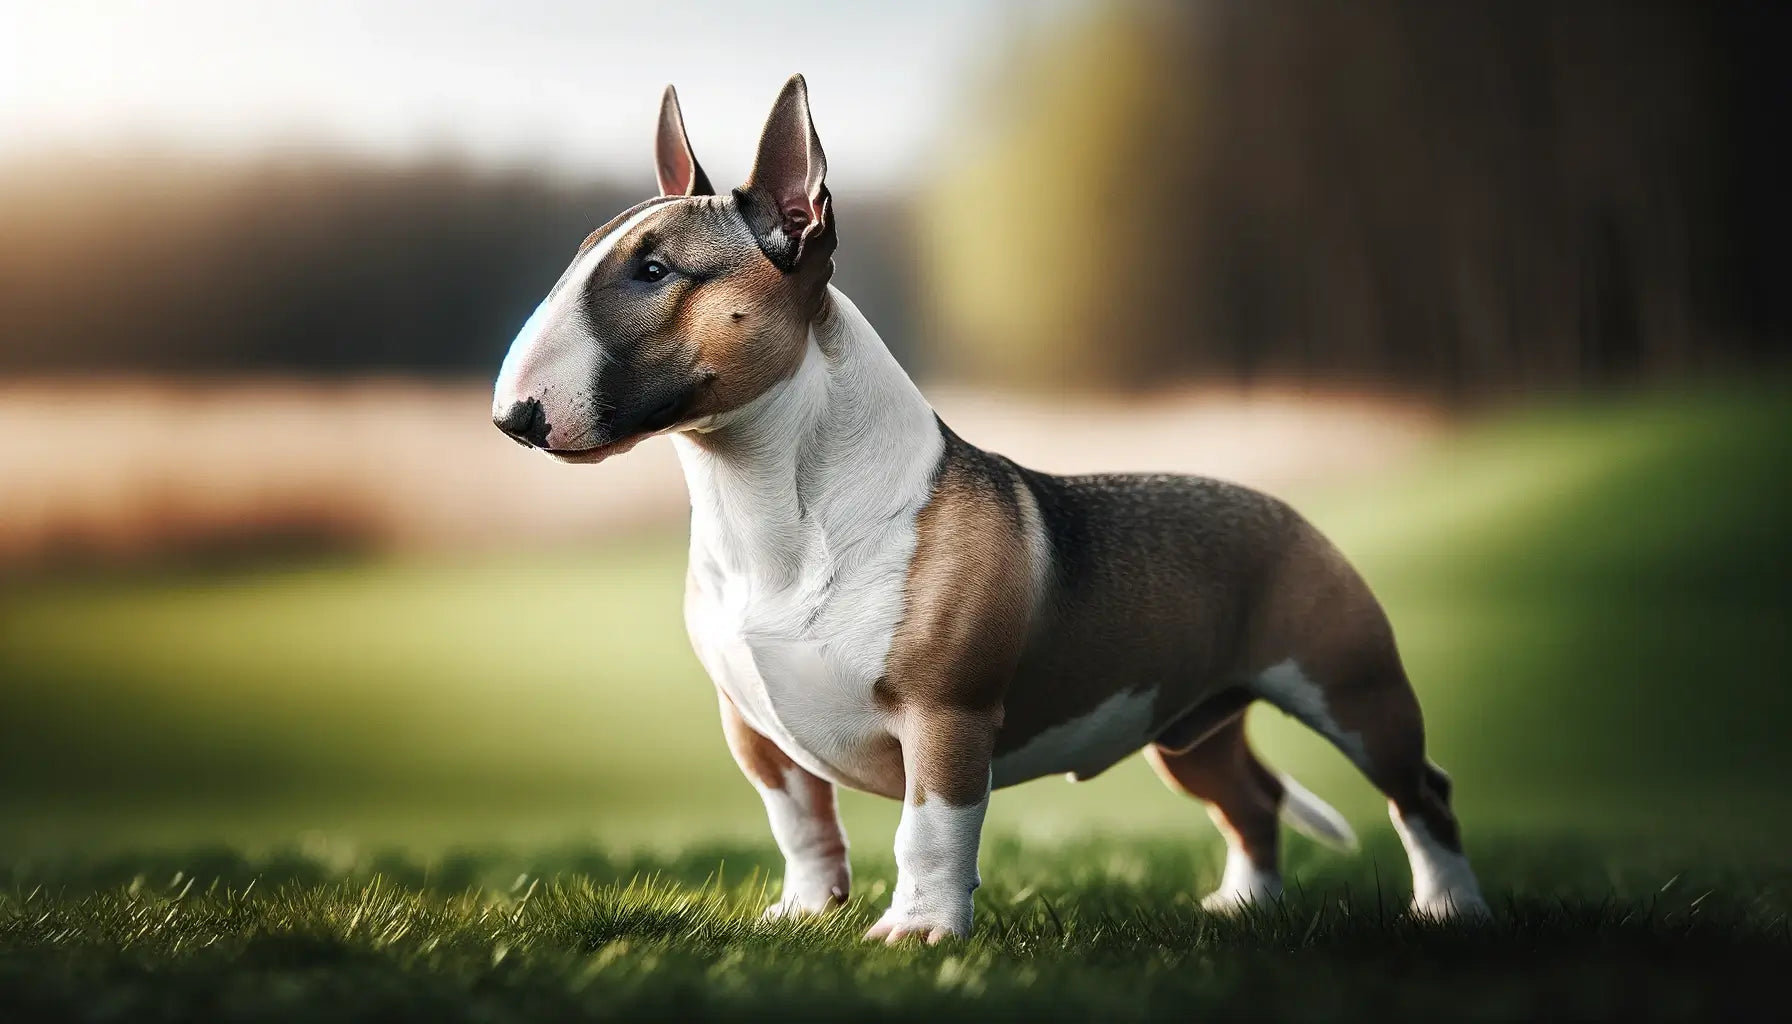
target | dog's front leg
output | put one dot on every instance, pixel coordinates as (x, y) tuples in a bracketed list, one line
[(804, 818), (946, 757)]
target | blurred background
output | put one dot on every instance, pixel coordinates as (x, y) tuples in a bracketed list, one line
[(1495, 291)]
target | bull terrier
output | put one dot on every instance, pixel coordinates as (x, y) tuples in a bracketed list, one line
[(886, 606)]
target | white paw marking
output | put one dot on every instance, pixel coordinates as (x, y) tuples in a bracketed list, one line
[(933, 926), (811, 887), (1443, 884), (817, 875), (936, 872), (1243, 884), (798, 902)]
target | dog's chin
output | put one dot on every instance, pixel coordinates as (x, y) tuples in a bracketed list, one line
[(592, 455), (597, 452)]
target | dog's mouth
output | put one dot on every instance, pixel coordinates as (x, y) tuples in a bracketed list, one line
[(597, 452), (664, 418), (657, 425)]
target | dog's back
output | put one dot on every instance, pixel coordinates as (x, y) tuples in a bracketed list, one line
[(1160, 596)]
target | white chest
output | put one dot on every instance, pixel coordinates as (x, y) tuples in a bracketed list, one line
[(803, 508), (801, 661)]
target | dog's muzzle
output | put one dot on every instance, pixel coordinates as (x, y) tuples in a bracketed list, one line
[(526, 423)]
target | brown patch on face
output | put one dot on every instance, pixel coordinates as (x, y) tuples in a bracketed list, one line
[(749, 332), (609, 226), (968, 604), (707, 330), (591, 239)]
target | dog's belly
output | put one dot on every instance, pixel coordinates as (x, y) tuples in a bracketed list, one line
[(1084, 746), (813, 696), (803, 694)]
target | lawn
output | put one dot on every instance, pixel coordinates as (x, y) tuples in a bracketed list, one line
[(492, 787), (1086, 930)]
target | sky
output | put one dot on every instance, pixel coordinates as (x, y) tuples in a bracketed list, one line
[(569, 86)]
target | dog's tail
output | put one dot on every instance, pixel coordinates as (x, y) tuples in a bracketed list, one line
[(1314, 818)]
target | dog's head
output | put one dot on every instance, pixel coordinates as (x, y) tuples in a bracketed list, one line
[(682, 308)]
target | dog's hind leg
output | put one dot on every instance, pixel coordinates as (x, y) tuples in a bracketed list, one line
[(1327, 657), (1243, 798), (1373, 717)]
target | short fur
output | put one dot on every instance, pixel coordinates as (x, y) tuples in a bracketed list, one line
[(884, 605)]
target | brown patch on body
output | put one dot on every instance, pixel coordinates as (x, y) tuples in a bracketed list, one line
[(1190, 588), (967, 611), (1148, 586), (1318, 611), (1150, 589)]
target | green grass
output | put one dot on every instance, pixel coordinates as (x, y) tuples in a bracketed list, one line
[(1592, 602), (1080, 931)]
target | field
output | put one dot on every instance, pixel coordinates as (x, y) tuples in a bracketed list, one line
[(1097, 929), (489, 787)]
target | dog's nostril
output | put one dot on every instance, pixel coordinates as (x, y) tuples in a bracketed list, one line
[(525, 421)]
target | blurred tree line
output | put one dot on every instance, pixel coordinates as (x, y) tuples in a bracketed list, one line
[(1462, 197), (1458, 198), (167, 263), (307, 264)]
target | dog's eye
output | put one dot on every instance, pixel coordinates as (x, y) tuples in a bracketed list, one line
[(652, 270)]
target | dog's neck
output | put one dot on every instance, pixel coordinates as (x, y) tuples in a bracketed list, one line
[(841, 448)]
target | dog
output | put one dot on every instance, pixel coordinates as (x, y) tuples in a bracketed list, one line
[(885, 606)]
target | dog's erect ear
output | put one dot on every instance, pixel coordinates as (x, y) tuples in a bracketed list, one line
[(679, 172), (787, 192)]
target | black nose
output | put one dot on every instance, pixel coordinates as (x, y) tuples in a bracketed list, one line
[(526, 422)]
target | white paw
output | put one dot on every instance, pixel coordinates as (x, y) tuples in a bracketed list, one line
[(1443, 885), (795, 908), (1457, 905), (807, 893), (932, 924), (1226, 900), (1233, 901), (1242, 886)]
